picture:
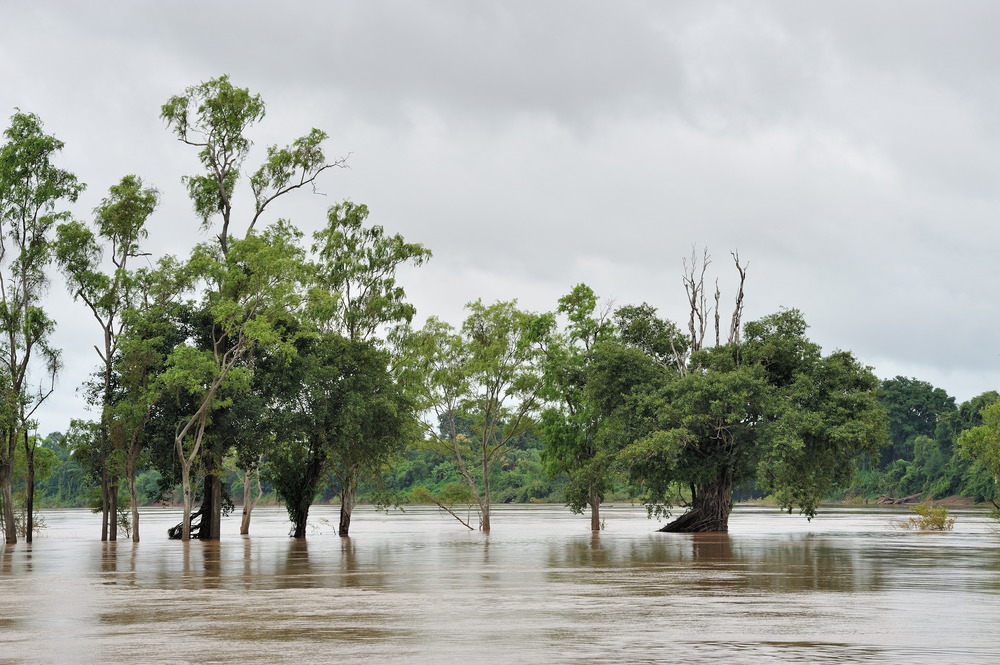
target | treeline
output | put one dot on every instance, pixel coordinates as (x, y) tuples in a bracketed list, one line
[(264, 363)]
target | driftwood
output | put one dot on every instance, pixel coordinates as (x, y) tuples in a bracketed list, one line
[(885, 500)]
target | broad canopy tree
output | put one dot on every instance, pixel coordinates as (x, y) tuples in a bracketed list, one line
[(769, 408)]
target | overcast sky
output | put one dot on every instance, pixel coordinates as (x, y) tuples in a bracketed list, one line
[(849, 151)]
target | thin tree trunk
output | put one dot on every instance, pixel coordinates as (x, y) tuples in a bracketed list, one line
[(104, 506), (186, 489), (6, 490), (248, 502), (29, 490), (133, 499), (484, 502), (348, 499), (710, 508), (113, 512)]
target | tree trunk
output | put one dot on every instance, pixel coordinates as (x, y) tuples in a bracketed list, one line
[(133, 499), (595, 512), (211, 509), (104, 506), (248, 502), (348, 499), (301, 518), (29, 491), (113, 512), (188, 501), (6, 490), (710, 508), (484, 501)]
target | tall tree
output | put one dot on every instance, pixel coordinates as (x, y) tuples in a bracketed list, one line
[(120, 223), (32, 188), (251, 288), (356, 294), (570, 426), (214, 117), (483, 380)]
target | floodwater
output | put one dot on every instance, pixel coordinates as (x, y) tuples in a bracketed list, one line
[(417, 587)]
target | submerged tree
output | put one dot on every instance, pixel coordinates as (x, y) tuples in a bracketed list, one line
[(214, 118), (356, 294), (764, 406), (482, 380), (120, 225), (570, 426), (31, 190)]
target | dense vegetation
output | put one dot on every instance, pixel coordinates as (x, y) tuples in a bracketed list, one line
[(265, 367)]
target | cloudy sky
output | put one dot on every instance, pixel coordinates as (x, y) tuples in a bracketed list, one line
[(849, 151)]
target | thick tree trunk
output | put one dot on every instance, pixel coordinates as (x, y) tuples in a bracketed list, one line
[(595, 512), (7, 492), (710, 508), (211, 509), (348, 499), (301, 518)]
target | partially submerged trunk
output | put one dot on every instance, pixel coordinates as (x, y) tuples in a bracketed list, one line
[(595, 512), (710, 508), (7, 493), (29, 491), (249, 500), (348, 499)]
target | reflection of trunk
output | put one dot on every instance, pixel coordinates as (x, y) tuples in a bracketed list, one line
[(348, 499), (595, 511), (710, 507), (6, 490)]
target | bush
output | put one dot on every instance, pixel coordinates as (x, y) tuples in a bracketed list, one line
[(929, 518)]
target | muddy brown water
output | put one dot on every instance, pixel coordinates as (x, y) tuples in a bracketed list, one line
[(416, 587)]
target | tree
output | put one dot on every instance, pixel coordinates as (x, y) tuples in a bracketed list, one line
[(769, 408), (214, 117), (31, 190), (356, 294), (914, 408), (336, 407), (120, 225), (482, 380), (570, 426), (252, 287), (982, 443)]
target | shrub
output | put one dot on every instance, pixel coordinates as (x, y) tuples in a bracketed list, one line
[(928, 518)]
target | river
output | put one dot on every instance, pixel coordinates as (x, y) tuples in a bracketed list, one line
[(417, 587)]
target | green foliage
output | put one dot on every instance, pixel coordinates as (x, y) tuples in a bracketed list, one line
[(928, 518), (770, 409)]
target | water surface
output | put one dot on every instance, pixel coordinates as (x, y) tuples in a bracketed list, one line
[(416, 587)]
